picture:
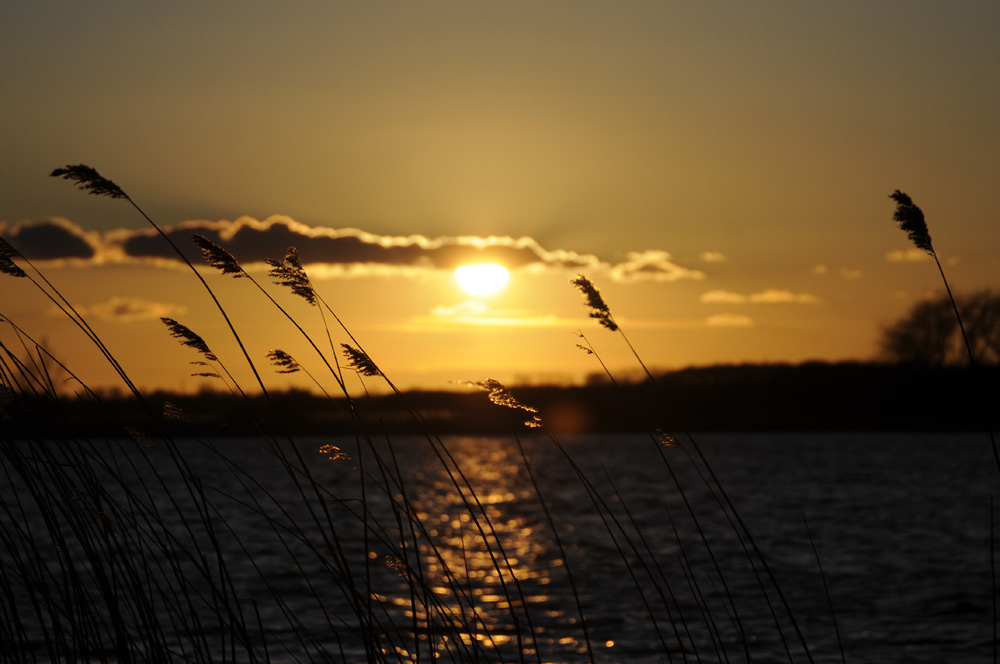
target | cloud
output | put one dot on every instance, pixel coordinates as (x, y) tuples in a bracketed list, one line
[(652, 265), (849, 273), (462, 309), (722, 297), (911, 255), (53, 239), (769, 296), (130, 309), (328, 252), (445, 319), (774, 296), (729, 320), (713, 257), (252, 241)]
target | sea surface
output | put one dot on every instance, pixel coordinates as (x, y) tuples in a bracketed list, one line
[(869, 547)]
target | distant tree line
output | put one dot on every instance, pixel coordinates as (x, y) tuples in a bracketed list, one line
[(929, 334)]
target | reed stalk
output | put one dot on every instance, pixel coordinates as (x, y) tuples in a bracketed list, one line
[(127, 550)]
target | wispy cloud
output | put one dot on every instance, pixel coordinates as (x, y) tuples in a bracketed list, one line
[(462, 309), (652, 265), (713, 257), (775, 296), (445, 319), (729, 320), (479, 314), (129, 309), (329, 252), (911, 255), (852, 274), (769, 296), (723, 297)]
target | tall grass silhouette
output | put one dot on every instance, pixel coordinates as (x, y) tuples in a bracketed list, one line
[(910, 218), (138, 545)]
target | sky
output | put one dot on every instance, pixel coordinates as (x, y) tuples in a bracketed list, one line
[(719, 170)]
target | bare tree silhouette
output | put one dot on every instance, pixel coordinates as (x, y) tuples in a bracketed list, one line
[(929, 333)]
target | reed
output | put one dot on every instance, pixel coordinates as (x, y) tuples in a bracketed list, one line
[(142, 546), (910, 218)]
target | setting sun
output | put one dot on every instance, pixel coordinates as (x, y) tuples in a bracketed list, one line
[(482, 279)]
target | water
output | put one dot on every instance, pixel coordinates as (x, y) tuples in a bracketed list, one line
[(659, 560)]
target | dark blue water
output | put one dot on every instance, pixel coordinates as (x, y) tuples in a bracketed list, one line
[(664, 554)]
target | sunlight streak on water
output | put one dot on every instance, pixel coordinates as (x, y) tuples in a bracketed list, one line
[(901, 523)]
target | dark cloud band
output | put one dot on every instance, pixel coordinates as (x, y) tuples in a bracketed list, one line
[(53, 239), (252, 241)]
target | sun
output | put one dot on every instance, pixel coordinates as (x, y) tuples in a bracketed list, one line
[(482, 278)]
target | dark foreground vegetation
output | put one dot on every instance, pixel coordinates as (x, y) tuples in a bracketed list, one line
[(133, 530), (813, 396)]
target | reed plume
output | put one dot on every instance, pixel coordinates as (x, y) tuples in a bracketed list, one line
[(334, 453), (501, 396), (284, 362), (174, 412), (911, 219), (360, 362), (218, 257), (7, 255), (89, 180), (598, 308), (207, 373), (290, 273), (189, 338)]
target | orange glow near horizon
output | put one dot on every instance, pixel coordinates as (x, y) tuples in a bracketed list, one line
[(675, 155)]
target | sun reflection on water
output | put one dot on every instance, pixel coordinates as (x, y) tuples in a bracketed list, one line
[(487, 557)]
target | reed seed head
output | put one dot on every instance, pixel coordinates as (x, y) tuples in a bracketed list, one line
[(284, 362), (138, 436), (911, 219), (599, 310), (89, 180), (174, 412), (189, 338), (218, 257), (359, 361), (334, 453), (207, 373), (7, 255), (398, 565), (290, 273), (501, 396), (667, 440)]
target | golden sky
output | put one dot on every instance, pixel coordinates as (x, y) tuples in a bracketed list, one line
[(720, 170)]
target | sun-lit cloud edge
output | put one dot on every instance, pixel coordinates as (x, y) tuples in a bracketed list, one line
[(846, 273), (462, 324), (911, 255), (476, 314), (437, 322), (652, 265), (328, 253), (124, 309), (729, 320), (768, 296)]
